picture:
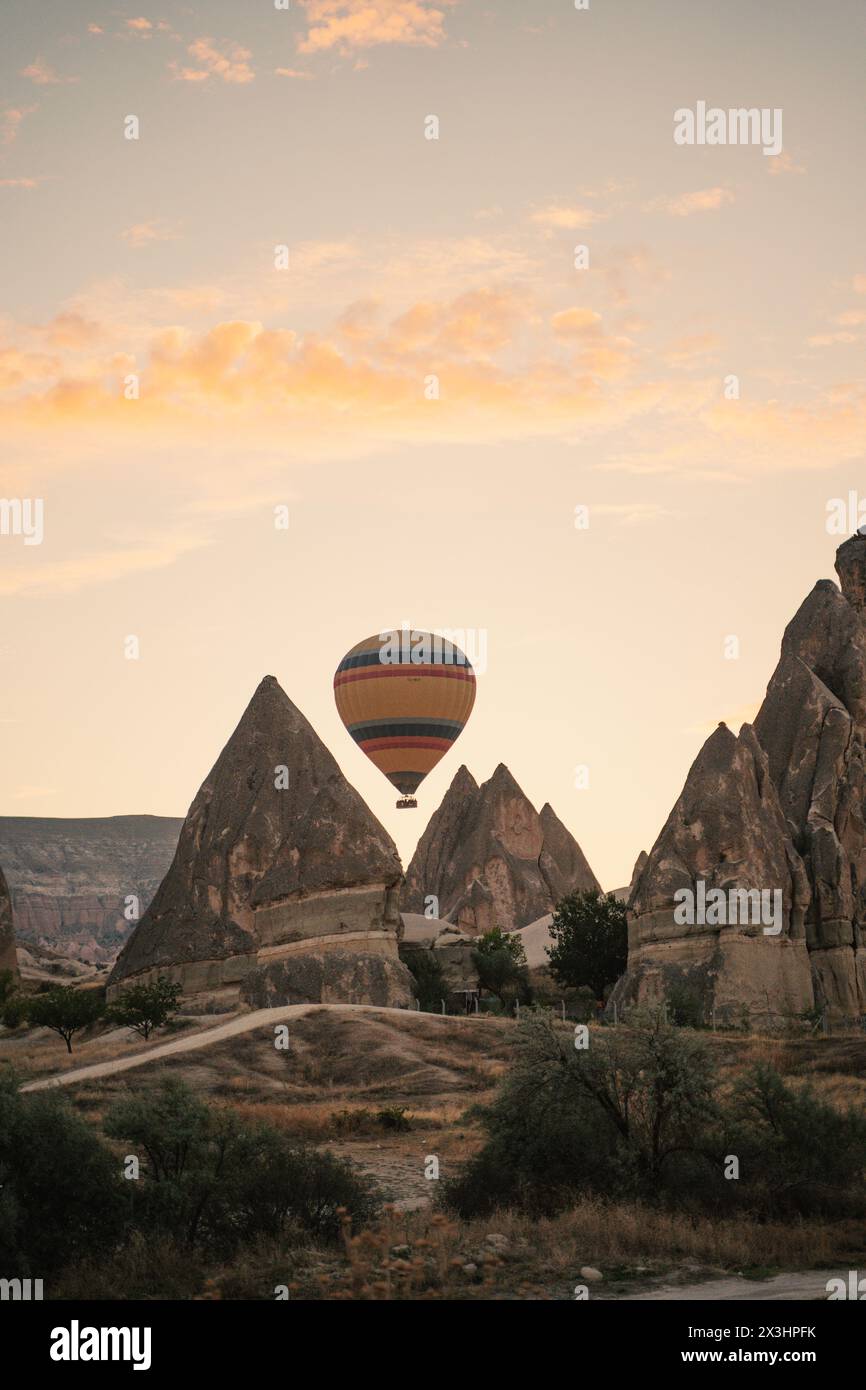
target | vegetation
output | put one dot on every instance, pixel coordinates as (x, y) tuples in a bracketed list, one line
[(500, 960), (640, 1115), (145, 1007), (590, 941), (65, 1010), (430, 986)]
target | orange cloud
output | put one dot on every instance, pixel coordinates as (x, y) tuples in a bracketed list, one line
[(702, 200), (21, 183), (353, 24), (43, 74), (10, 122), (568, 218), (231, 65), (144, 233), (140, 25)]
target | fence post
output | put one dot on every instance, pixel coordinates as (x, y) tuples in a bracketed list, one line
[(562, 1002), (443, 1006)]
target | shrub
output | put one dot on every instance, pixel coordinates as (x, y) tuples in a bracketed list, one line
[(500, 961), (215, 1182), (61, 1196), (639, 1115), (394, 1118)]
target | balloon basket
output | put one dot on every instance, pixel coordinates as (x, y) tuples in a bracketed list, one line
[(406, 803)]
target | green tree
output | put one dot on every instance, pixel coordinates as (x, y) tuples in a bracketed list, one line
[(7, 986), (500, 960), (65, 1010), (145, 1007), (430, 986), (590, 941)]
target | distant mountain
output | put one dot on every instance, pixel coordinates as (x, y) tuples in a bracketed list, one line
[(69, 879)]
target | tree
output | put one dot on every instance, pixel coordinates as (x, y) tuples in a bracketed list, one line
[(65, 1010), (500, 959), (145, 1007), (590, 941)]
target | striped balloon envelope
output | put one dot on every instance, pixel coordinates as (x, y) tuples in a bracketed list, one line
[(404, 697)]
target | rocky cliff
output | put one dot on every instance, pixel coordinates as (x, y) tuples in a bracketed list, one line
[(71, 880), (279, 863), (490, 859), (717, 913), (782, 808), (8, 957)]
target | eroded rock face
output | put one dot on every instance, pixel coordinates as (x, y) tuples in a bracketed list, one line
[(813, 725), (277, 849), (329, 977), (71, 879), (490, 859), (726, 832), (8, 956), (808, 758)]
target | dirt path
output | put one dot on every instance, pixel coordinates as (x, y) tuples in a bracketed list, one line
[(808, 1285), (246, 1023)]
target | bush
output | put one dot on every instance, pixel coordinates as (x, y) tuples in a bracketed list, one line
[(14, 1011), (394, 1118), (215, 1183), (639, 1115), (61, 1196)]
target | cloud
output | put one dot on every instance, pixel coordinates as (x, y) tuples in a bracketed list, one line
[(630, 513), (352, 24), (43, 74), (95, 29), (568, 218), (230, 62), (294, 72), (702, 200), (784, 164), (69, 575), (687, 351), (858, 284), (10, 122), (22, 182), (140, 25), (144, 233)]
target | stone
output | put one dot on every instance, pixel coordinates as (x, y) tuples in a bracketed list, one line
[(71, 879), (591, 1274), (490, 859), (8, 954), (283, 882), (727, 832)]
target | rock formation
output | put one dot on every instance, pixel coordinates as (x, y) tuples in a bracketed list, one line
[(726, 837), (490, 859), (782, 807), (813, 725), (279, 864), (71, 879), (8, 956)]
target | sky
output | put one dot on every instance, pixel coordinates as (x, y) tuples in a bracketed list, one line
[(616, 468)]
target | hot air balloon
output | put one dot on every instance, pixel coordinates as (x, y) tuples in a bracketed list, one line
[(404, 697)]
